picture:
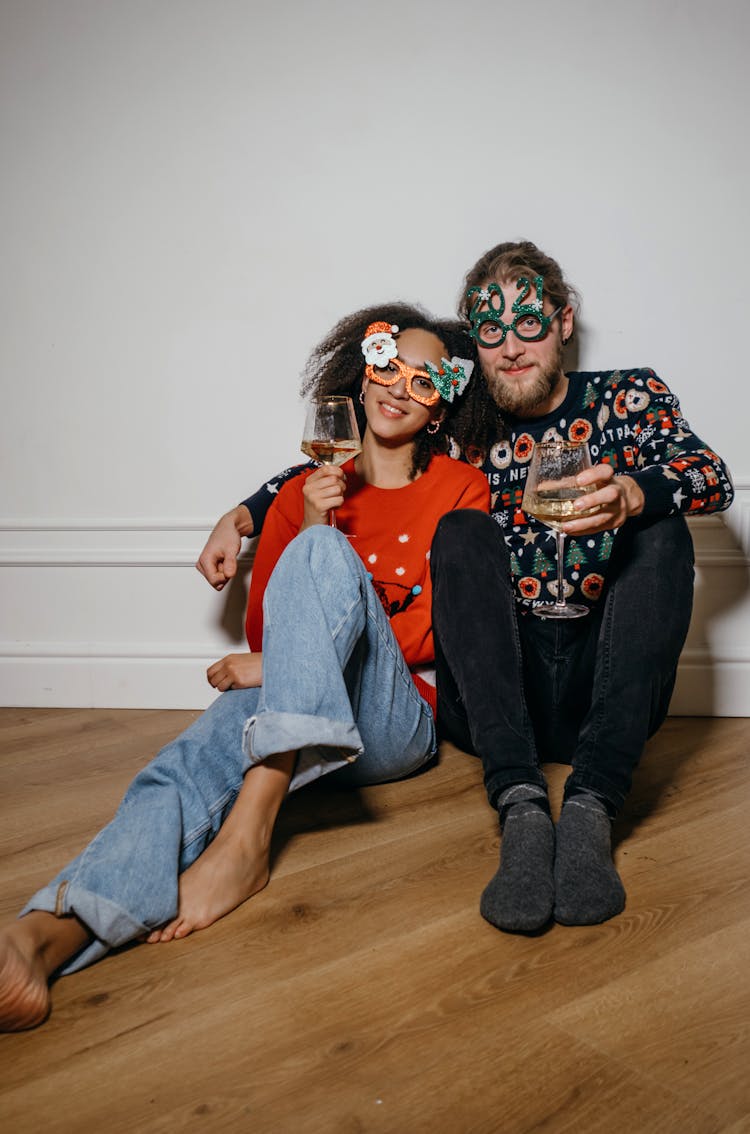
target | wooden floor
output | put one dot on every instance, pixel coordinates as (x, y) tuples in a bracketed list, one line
[(362, 991)]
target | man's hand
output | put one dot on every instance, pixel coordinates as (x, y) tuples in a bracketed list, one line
[(323, 490), (218, 560), (617, 498), (236, 671)]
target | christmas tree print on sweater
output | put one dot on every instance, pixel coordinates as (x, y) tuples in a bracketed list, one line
[(632, 421)]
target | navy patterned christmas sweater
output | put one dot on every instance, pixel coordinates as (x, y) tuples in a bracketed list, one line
[(631, 421)]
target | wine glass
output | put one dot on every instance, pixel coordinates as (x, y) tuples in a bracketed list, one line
[(331, 434), (549, 494)]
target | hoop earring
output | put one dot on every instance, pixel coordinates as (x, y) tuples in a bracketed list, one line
[(566, 341), (361, 397), (433, 427)]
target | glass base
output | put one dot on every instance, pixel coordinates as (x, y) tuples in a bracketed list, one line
[(563, 610)]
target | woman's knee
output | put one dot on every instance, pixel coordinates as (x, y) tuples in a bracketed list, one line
[(318, 571), (317, 549)]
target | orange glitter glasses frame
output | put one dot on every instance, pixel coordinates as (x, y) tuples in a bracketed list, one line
[(419, 385)]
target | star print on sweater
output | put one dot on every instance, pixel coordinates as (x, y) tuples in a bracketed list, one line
[(632, 421)]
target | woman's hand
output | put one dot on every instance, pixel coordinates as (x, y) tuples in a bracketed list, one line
[(323, 490), (616, 497), (236, 671)]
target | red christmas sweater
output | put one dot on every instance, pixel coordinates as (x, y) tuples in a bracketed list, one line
[(393, 529)]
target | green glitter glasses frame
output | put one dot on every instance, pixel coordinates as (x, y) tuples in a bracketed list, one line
[(530, 323)]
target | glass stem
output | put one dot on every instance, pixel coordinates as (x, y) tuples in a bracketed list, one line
[(331, 513), (560, 541)]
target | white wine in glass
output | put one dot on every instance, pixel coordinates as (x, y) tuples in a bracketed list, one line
[(549, 495), (331, 434)]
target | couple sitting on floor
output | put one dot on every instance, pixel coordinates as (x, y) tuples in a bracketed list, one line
[(339, 627)]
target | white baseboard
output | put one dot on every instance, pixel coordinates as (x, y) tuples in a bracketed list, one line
[(66, 681), (711, 686), (707, 685)]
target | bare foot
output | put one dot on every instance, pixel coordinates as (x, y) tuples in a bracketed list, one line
[(236, 864), (224, 876), (24, 996), (31, 950)]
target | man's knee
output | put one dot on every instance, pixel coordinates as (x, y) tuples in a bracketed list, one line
[(650, 597), (657, 544), (463, 533), (462, 521)]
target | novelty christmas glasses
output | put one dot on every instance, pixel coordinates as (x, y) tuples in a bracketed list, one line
[(485, 313), (419, 385), (426, 386)]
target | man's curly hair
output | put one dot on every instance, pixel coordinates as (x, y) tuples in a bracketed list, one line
[(337, 366), (506, 262)]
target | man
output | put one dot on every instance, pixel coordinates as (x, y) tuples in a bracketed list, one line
[(519, 690)]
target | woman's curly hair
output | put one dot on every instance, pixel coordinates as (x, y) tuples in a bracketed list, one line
[(337, 366)]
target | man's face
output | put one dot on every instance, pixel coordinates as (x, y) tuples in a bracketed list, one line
[(526, 378)]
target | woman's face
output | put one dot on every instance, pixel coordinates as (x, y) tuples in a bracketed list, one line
[(393, 415)]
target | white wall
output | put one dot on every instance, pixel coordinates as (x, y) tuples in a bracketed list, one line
[(195, 190)]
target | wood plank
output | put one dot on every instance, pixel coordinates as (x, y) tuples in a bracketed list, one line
[(361, 991), (685, 1023)]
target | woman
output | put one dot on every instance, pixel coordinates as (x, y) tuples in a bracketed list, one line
[(343, 617)]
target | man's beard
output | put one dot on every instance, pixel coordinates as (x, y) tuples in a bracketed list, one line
[(526, 402)]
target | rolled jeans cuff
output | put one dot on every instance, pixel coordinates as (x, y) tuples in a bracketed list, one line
[(324, 745), (111, 924)]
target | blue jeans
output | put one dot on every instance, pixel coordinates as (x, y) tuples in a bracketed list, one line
[(518, 690), (335, 687)]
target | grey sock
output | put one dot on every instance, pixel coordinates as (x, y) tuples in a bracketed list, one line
[(520, 896), (587, 886)]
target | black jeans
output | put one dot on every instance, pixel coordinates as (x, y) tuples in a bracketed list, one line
[(518, 690)]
